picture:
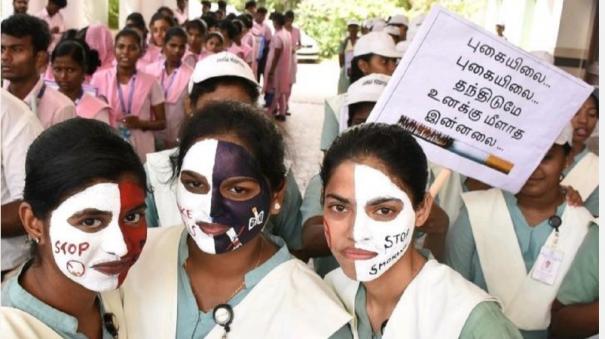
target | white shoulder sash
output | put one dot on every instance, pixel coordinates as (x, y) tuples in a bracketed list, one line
[(159, 173), (436, 304), (289, 302), (526, 301), (584, 176), (17, 324), (152, 310)]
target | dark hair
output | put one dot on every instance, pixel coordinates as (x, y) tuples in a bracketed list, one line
[(137, 21), (279, 18), (356, 72), (165, 11), (198, 24), (161, 16), (246, 122), (70, 155), (289, 15), (396, 149), (354, 108), (80, 52), (23, 25), (250, 4), (175, 32), (59, 3), (129, 32), (246, 19), (261, 10), (215, 35), (229, 27), (210, 85), (222, 4), (206, 3), (210, 20)]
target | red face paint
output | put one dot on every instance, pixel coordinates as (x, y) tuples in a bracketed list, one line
[(132, 196)]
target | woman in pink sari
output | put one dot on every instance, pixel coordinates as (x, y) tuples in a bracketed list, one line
[(296, 44), (135, 116), (99, 38), (173, 75), (278, 75)]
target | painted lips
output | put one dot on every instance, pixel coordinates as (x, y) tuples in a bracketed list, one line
[(212, 229), (113, 267), (353, 253)]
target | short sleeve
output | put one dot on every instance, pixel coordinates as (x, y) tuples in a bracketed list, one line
[(157, 94), (460, 246), (329, 130), (311, 203), (581, 283), (487, 321), (592, 202), (277, 43)]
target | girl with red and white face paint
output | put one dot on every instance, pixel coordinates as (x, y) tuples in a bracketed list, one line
[(374, 178), (216, 273), (84, 209)]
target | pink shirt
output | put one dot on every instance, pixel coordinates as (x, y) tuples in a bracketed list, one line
[(53, 21), (148, 93), (190, 58), (251, 41), (282, 77), (91, 107), (99, 37), (174, 86), (180, 17), (153, 54), (49, 105)]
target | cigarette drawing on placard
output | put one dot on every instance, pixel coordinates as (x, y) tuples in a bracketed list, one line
[(446, 142)]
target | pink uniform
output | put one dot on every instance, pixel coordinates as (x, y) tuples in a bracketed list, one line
[(174, 86), (53, 21), (138, 95), (190, 58), (251, 41), (295, 35), (49, 105), (153, 54), (91, 107), (180, 17), (281, 80), (243, 51)]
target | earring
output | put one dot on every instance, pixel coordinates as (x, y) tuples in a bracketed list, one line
[(561, 177), (277, 206), (36, 240)]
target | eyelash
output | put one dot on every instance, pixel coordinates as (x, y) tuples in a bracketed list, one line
[(139, 216), (98, 222)]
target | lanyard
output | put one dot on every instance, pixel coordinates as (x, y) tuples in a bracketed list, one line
[(170, 81), (131, 84), (39, 96)]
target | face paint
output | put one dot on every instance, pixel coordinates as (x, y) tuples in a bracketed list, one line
[(216, 223), (389, 239), (95, 237)]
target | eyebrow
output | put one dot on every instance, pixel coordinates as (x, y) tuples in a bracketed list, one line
[(92, 211), (337, 197), (382, 200), (139, 207)]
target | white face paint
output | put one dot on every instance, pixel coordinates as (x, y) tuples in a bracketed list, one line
[(80, 254), (389, 239), (195, 208)]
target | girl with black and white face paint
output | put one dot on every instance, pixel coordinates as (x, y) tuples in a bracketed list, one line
[(84, 209), (229, 175), (374, 178)]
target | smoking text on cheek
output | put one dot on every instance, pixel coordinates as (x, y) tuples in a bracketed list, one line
[(71, 248), (391, 240)]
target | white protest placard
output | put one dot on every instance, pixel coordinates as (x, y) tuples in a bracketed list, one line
[(477, 104)]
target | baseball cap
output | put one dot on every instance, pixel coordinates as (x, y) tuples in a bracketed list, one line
[(352, 23), (379, 43), (402, 46), (220, 65), (399, 19), (393, 30), (378, 25), (366, 89)]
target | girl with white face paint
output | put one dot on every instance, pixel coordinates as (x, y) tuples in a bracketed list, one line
[(374, 178), (219, 273), (84, 209)]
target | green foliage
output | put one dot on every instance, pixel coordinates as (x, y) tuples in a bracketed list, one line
[(114, 9)]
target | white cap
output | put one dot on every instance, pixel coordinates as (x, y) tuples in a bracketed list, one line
[(220, 65), (544, 56), (368, 23), (368, 88), (399, 19), (378, 25), (393, 30), (377, 43), (352, 22), (402, 46), (566, 135)]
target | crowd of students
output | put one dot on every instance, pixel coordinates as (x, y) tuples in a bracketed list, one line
[(146, 193)]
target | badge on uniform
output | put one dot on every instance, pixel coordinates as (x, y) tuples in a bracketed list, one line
[(547, 265)]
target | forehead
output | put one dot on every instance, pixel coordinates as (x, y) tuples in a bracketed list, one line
[(127, 40), (10, 40), (228, 138), (65, 59), (344, 175)]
